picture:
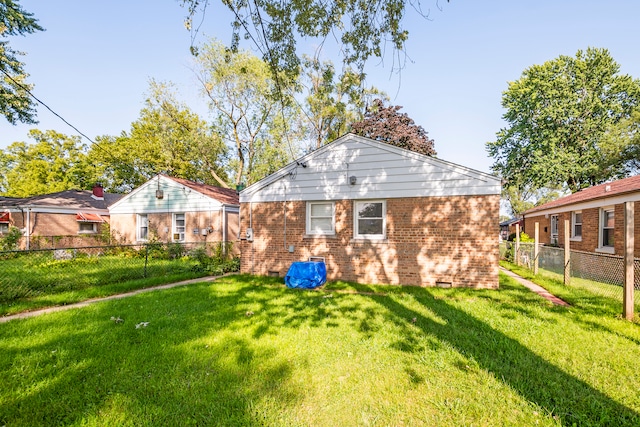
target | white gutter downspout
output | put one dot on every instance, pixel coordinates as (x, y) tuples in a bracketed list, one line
[(27, 233), (224, 229)]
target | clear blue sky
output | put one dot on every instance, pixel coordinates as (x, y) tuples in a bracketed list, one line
[(93, 63)]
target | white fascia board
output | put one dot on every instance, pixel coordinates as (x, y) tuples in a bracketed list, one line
[(493, 184), (59, 210), (589, 204)]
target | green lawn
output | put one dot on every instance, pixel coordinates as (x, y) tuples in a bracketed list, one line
[(246, 351), (37, 280)]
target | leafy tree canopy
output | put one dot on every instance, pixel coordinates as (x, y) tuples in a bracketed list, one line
[(54, 162), (15, 103), (245, 111), (559, 115), (388, 125), (167, 138), (332, 100), (363, 29)]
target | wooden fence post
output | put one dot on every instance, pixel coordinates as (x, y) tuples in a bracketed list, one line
[(536, 251), (629, 270), (567, 253), (517, 251)]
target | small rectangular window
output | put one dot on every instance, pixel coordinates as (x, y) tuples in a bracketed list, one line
[(576, 230), (321, 218), (607, 220), (179, 227), (87, 227), (4, 227), (370, 219), (554, 229), (142, 227)]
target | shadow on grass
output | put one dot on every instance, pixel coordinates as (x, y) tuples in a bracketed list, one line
[(573, 401), (200, 361)]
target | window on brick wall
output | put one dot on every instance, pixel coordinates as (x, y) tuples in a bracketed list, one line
[(87, 227), (576, 225), (179, 227), (142, 227), (370, 219), (554, 229), (321, 218), (4, 222), (607, 225)]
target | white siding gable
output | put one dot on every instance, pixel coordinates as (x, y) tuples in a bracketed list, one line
[(176, 198), (381, 171)]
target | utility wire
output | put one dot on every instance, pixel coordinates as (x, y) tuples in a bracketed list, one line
[(21, 86)]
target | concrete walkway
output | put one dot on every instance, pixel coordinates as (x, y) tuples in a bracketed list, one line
[(535, 288), (27, 314)]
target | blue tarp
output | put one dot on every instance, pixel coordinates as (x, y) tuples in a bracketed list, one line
[(306, 275)]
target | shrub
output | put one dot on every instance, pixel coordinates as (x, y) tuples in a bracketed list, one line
[(10, 241)]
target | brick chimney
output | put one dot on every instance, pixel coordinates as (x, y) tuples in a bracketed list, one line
[(98, 191)]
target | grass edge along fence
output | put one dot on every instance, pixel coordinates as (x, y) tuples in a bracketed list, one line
[(48, 277), (599, 273)]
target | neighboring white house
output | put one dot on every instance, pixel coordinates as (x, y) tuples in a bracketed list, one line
[(171, 209), (377, 214)]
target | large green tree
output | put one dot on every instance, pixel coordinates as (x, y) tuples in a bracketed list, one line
[(167, 138), (15, 103), (558, 116), (53, 162), (362, 28), (245, 111), (332, 101)]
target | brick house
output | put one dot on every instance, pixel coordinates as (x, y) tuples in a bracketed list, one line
[(595, 216), (67, 218), (173, 209), (377, 214)]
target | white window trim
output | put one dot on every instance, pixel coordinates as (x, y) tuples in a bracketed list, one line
[(2, 227), (174, 227), (138, 224), (601, 247), (309, 231), (573, 227), (554, 236), (94, 227), (358, 236)]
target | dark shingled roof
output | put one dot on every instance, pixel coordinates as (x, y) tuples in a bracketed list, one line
[(72, 199), (602, 191)]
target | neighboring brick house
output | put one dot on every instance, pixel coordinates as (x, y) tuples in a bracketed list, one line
[(377, 214), (62, 219), (171, 209), (595, 216), (507, 228)]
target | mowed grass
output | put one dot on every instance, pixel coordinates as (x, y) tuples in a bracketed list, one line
[(37, 281), (246, 351)]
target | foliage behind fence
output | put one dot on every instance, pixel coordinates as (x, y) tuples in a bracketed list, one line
[(25, 274), (599, 273)]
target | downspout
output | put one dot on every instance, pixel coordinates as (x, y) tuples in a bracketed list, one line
[(251, 226), (284, 212), (28, 229), (223, 220)]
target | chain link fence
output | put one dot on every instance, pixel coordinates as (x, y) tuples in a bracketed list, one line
[(602, 274), (25, 274)]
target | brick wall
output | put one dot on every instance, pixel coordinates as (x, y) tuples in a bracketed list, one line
[(436, 239), (590, 229), (123, 227)]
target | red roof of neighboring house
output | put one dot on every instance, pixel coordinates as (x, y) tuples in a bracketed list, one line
[(602, 191), (88, 217), (226, 196)]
